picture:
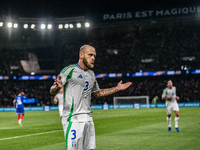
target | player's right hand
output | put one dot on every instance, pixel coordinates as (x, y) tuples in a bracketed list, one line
[(58, 82), (170, 98)]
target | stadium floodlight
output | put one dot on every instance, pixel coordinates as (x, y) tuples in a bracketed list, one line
[(15, 25), (78, 25), (32, 73), (66, 26), (71, 25), (43, 26), (60, 26), (9, 25), (1, 24), (87, 24), (49, 26), (32, 26), (25, 26)]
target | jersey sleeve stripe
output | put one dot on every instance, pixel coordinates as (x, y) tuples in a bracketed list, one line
[(69, 76), (65, 69)]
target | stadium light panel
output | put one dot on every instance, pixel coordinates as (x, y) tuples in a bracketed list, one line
[(43, 26), (1, 24), (71, 25), (60, 26), (15, 25), (66, 26), (78, 25), (49, 26), (25, 26), (87, 24), (32, 26), (9, 25)]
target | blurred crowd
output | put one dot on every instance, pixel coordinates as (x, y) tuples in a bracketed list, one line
[(188, 89), (121, 48)]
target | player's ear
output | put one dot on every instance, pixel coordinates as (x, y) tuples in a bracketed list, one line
[(81, 54)]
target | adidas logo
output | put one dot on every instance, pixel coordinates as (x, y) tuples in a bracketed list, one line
[(80, 76)]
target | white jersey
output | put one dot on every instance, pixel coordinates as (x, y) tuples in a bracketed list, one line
[(167, 92), (59, 99), (77, 88)]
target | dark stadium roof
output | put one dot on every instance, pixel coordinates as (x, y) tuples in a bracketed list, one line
[(65, 8)]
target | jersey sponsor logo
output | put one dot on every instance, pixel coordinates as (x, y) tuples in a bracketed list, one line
[(80, 76)]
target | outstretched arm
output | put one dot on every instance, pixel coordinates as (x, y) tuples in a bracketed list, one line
[(109, 91), (56, 86)]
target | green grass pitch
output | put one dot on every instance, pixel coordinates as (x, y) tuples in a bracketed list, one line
[(116, 129)]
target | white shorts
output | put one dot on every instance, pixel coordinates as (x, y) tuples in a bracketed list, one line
[(60, 108), (171, 107), (79, 135)]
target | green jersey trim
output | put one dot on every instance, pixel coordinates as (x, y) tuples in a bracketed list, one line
[(69, 76), (165, 91), (167, 104), (70, 123), (65, 69)]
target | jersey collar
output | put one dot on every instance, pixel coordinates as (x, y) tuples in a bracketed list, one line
[(79, 66)]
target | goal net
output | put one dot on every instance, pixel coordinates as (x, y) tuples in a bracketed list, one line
[(131, 101)]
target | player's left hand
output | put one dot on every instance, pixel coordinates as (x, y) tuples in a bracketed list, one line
[(177, 97), (124, 86)]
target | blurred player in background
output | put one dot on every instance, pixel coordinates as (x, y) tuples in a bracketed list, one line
[(78, 83), (169, 94), (19, 105), (59, 99), (154, 101)]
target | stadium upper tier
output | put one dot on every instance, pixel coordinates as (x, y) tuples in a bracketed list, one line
[(126, 47)]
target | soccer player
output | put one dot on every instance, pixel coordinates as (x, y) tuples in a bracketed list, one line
[(58, 98), (19, 105), (169, 94), (79, 83), (154, 101)]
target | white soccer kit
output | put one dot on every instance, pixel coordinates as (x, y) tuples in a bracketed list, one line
[(77, 119), (60, 103), (171, 105)]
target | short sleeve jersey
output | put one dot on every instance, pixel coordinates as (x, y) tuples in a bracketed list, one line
[(167, 92), (154, 100), (78, 85)]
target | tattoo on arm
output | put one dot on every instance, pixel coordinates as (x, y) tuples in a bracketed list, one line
[(105, 92)]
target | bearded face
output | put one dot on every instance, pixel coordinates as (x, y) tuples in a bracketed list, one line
[(87, 63)]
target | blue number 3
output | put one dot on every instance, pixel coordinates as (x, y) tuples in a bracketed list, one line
[(74, 133), (86, 85)]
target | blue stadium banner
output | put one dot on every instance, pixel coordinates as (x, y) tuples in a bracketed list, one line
[(109, 75), (187, 11), (124, 106)]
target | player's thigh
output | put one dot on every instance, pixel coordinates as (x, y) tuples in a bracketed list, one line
[(81, 136), (75, 136), (169, 109), (90, 137), (175, 107), (20, 110), (65, 124)]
